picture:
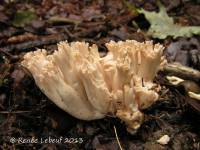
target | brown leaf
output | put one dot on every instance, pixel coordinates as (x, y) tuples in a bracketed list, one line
[(21, 38), (121, 33), (194, 103), (92, 13), (6, 126), (17, 75), (186, 52)]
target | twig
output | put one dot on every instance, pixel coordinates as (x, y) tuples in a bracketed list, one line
[(117, 139), (45, 40), (58, 19), (181, 71), (12, 57), (91, 32), (13, 112)]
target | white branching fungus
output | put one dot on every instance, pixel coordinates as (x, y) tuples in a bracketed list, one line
[(89, 87)]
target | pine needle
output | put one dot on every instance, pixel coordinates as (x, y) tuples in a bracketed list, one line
[(117, 139)]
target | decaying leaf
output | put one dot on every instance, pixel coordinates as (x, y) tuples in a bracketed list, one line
[(190, 88), (164, 140), (23, 17), (185, 51), (89, 87), (194, 95), (162, 25)]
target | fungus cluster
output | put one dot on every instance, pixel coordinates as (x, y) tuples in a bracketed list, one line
[(90, 87)]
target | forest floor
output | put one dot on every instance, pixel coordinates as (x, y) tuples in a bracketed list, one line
[(26, 112)]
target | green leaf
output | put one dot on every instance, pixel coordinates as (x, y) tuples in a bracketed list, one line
[(22, 18), (162, 25)]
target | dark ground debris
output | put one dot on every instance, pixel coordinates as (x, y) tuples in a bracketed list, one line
[(26, 112)]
